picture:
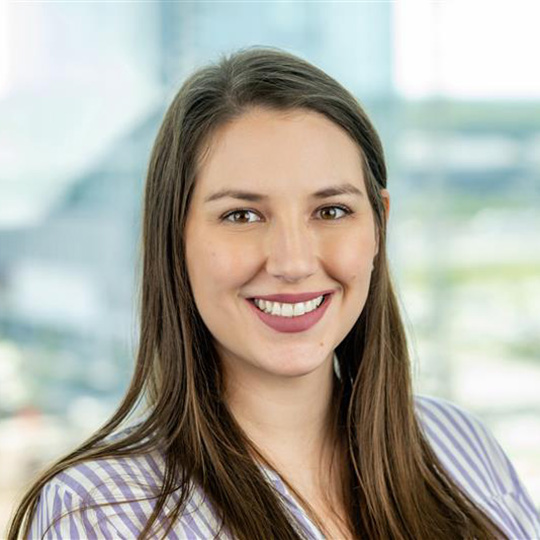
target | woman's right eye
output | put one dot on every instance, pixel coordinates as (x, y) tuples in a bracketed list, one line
[(236, 212)]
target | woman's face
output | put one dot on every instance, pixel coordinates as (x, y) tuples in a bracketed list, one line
[(285, 240)]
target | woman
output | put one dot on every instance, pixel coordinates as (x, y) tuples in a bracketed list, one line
[(272, 357)]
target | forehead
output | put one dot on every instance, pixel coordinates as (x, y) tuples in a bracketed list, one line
[(278, 149)]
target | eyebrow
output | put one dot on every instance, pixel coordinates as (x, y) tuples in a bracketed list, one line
[(330, 191)]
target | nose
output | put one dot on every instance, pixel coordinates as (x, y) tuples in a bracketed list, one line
[(291, 251)]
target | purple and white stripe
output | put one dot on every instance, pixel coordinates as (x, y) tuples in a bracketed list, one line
[(464, 445)]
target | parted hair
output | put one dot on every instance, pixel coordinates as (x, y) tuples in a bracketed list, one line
[(393, 485)]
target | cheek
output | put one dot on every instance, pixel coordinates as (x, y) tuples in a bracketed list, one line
[(350, 258), (216, 265)]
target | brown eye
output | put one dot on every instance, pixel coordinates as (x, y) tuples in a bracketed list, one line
[(240, 211), (332, 211)]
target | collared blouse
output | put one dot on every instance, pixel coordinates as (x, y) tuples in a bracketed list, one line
[(465, 447)]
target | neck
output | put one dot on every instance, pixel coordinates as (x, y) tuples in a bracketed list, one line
[(288, 419)]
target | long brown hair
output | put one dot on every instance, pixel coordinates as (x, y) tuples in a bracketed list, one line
[(393, 485)]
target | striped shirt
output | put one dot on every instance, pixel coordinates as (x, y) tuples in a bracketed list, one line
[(465, 447)]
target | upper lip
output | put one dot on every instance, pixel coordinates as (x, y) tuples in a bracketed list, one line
[(292, 298)]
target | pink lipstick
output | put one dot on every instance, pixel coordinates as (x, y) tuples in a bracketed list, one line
[(292, 324)]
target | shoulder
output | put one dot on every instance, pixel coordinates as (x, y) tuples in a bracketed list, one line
[(111, 479), (465, 446), (114, 478), (109, 497), (112, 498), (470, 453)]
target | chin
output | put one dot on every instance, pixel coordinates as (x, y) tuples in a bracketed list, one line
[(295, 367)]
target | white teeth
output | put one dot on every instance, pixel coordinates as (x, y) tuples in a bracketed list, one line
[(288, 310)]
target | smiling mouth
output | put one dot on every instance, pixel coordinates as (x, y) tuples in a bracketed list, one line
[(324, 300)]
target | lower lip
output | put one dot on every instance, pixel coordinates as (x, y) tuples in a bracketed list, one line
[(292, 324)]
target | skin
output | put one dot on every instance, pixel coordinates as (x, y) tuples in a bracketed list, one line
[(279, 384)]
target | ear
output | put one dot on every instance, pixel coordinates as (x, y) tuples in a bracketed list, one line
[(385, 195)]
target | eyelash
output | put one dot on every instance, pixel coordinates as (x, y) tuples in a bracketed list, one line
[(346, 209)]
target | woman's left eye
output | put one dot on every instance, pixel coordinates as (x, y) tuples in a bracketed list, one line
[(344, 209), (347, 211)]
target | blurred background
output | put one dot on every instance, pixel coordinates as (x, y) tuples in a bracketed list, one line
[(452, 89)]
